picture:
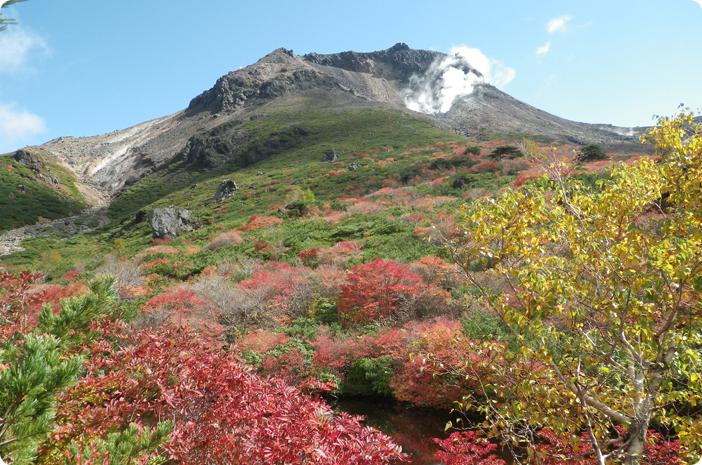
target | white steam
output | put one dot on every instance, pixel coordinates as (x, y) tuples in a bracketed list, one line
[(452, 77)]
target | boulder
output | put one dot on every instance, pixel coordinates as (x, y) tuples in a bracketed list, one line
[(329, 156), (171, 222), (225, 190), (354, 166)]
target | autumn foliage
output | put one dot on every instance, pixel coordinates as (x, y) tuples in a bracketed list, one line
[(223, 413), (378, 291)]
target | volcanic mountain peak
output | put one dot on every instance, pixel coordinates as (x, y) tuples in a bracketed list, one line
[(376, 76), (347, 80)]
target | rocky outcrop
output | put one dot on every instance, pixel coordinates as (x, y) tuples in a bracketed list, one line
[(398, 62), (225, 190), (171, 222), (274, 75), (330, 156), (26, 158)]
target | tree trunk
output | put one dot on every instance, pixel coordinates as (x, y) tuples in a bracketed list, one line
[(634, 453)]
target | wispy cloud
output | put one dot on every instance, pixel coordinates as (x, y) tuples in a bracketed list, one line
[(544, 49), (559, 24), (17, 48), (17, 126)]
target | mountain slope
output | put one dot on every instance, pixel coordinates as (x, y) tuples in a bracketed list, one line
[(283, 80)]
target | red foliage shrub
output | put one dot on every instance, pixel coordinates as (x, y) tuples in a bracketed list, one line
[(523, 178), (222, 240), (161, 241), (347, 247), (53, 294), (290, 366), (164, 249), (262, 246), (15, 302), (223, 413), (378, 291), (436, 183), (259, 222), (174, 298), (278, 284), (71, 275), (438, 271), (485, 167), (260, 341), (155, 263), (423, 383), (364, 207), (467, 448), (309, 256)]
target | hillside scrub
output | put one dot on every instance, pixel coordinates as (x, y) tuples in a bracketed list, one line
[(102, 390)]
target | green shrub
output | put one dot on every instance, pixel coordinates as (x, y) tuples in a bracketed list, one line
[(505, 151), (369, 377), (590, 153)]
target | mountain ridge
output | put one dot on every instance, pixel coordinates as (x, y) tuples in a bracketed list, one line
[(283, 79)]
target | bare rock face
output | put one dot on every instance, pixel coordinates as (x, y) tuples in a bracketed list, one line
[(225, 190), (276, 74), (398, 62), (171, 222)]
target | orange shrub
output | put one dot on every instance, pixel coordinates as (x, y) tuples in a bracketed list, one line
[(259, 222), (226, 238)]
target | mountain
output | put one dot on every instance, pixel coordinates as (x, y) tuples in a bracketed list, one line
[(209, 132)]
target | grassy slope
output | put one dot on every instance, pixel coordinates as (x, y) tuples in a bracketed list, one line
[(43, 199), (394, 150)]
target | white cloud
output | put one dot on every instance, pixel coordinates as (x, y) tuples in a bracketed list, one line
[(16, 126), (543, 50), (454, 76), (559, 24), (17, 47)]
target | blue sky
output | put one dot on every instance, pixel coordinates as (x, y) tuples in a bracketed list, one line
[(83, 68)]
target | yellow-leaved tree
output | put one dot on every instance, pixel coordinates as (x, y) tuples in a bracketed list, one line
[(602, 288)]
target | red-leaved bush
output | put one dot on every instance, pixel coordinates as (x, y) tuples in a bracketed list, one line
[(469, 448), (378, 291), (485, 167), (259, 222), (16, 302), (223, 413)]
